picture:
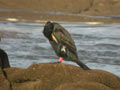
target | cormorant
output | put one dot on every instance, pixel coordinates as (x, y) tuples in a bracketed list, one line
[(62, 43), (4, 62)]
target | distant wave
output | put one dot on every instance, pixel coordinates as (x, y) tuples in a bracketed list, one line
[(112, 45)]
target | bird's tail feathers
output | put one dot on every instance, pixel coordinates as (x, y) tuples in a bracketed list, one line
[(82, 65)]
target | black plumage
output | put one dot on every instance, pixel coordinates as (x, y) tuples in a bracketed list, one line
[(62, 43), (4, 62)]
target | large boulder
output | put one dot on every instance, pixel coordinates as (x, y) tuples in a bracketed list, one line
[(46, 76)]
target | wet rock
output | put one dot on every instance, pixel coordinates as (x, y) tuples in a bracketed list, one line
[(59, 77), (7, 34), (4, 83), (30, 11)]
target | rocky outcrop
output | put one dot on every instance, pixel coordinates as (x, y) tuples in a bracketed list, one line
[(71, 6), (58, 10), (56, 76)]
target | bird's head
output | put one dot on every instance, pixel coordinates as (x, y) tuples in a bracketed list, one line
[(48, 30)]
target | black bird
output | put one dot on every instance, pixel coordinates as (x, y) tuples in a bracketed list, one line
[(62, 43), (4, 62)]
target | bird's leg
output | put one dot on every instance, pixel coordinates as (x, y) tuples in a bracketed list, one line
[(60, 59)]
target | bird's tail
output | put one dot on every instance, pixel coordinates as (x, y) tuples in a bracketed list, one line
[(82, 65)]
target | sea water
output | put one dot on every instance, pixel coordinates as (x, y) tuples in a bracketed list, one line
[(98, 46)]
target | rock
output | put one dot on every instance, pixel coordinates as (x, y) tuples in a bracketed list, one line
[(54, 76), (9, 34), (57, 10), (4, 83), (83, 86)]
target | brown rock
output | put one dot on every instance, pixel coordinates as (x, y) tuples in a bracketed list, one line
[(4, 83), (11, 34), (82, 85), (86, 7), (47, 5), (59, 77), (7, 34)]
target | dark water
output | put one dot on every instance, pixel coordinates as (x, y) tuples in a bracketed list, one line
[(98, 45)]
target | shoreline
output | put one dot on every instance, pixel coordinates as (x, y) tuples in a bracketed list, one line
[(105, 11), (57, 18)]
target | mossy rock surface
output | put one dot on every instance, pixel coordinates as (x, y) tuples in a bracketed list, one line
[(49, 76)]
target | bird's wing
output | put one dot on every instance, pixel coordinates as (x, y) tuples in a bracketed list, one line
[(63, 37)]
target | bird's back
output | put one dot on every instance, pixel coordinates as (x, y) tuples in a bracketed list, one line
[(65, 38)]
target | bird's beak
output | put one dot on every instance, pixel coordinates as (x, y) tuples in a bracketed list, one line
[(53, 37)]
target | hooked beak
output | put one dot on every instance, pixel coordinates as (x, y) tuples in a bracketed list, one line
[(53, 37)]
